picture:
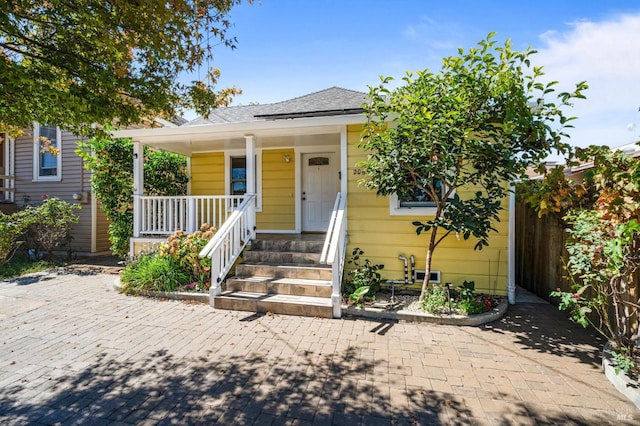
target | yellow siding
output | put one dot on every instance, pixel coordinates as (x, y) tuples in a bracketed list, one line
[(278, 191), (278, 185), (207, 174), (383, 237)]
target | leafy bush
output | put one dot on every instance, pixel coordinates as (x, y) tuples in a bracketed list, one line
[(358, 295), (462, 300), (48, 225), (153, 273), (176, 266), (436, 300), (11, 228), (185, 249), (363, 275), (471, 306), (111, 166)]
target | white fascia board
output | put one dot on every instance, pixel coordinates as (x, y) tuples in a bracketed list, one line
[(298, 126)]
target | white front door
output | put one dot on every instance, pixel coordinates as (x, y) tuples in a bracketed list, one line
[(319, 190)]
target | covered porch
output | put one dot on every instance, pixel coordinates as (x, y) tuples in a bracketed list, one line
[(291, 180)]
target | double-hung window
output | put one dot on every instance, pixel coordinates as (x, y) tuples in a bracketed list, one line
[(47, 153), (236, 175)]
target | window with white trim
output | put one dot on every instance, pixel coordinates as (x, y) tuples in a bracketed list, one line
[(236, 175), (47, 152), (417, 203)]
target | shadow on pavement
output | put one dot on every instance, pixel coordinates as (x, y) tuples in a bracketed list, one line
[(163, 388), (543, 328)]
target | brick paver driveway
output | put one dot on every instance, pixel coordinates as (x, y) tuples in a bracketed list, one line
[(72, 350)]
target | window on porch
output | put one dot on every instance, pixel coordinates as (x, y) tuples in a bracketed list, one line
[(238, 176)]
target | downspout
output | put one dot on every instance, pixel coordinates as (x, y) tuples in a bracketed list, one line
[(511, 245)]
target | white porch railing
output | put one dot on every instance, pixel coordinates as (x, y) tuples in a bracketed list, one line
[(333, 251), (228, 242), (166, 215)]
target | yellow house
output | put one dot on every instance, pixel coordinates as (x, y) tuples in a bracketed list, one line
[(283, 178)]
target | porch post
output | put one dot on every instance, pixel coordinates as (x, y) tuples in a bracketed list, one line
[(251, 164), (138, 185), (251, 174)]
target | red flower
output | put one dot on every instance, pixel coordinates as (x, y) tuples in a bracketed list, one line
[(576, 296)]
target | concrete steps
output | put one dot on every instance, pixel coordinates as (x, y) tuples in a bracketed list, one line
[(280, 274)]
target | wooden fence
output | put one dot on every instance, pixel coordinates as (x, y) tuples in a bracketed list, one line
[(540, 254)]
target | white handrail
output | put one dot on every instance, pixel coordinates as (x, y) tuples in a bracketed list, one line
[(164, 215), (333, 251), (332, 222), (228, 242)]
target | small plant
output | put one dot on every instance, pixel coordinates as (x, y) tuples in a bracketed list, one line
[(364, 275), (462, 300), (358, 295), (153, 273), (472, 306), (467, 291), (622, 361), (437, 299)]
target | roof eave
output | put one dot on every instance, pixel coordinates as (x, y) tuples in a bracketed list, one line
[(297, 126)]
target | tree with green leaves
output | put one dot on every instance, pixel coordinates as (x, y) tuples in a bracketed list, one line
[(86, 62), (109, 161), (477, 123), (601, 209)]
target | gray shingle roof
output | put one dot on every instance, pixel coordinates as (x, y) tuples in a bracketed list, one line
[(331, 101)]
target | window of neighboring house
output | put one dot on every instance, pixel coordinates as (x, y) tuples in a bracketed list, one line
[(47, 153), (416, 203)]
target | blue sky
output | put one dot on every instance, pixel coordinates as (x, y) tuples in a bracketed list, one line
[(289, 48)]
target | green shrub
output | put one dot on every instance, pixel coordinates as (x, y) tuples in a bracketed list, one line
[(363, 275), (48, 225), (153, 273), (111, 166), (471, 306), (436, 300), (185, 250), (11, 228)]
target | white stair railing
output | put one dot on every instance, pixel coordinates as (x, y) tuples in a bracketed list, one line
[(228, 242), (333, 251)]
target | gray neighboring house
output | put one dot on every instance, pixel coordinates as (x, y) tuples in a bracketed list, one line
[(28, 174)]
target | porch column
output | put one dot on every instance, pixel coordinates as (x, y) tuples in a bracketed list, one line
[(251, 164), (138, 185), (251, 175)]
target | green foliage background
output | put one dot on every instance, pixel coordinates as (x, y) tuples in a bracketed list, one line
[(111, 164)]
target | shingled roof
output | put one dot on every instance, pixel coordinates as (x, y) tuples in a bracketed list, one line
[(327, 102)]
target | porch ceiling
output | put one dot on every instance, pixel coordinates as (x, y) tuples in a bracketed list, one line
[(268, 134)]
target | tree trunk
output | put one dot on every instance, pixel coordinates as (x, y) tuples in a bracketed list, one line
[(427, 267)]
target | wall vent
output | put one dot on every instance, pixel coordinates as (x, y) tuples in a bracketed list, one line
[(418, 276)]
